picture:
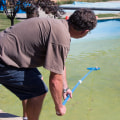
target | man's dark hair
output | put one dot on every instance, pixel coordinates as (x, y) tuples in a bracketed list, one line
[(83, 19)]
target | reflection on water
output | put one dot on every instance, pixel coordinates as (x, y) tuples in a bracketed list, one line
[(97, 98)]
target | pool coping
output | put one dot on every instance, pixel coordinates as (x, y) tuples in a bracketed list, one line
[(108, 18)]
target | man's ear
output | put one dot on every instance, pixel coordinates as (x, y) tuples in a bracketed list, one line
[(87, 30), (83, 33)]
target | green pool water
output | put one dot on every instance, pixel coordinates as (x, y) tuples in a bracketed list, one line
[(98, 97)]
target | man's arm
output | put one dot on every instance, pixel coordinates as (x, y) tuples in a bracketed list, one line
[(65, 86), (56, 88), (57, 83)]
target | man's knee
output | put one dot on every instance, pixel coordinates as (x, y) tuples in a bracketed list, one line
[(40, 98)]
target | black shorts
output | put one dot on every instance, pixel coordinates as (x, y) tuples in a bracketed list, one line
[(25, 83)]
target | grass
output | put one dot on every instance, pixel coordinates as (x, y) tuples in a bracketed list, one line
[(5, 22), (108, 15)]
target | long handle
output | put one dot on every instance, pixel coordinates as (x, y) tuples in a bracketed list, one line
[(79, 82)]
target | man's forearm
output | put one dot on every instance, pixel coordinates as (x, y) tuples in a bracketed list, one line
[(56, 87), (56, 83), (65, 85)]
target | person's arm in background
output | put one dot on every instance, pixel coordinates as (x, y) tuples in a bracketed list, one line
[(56, 83)]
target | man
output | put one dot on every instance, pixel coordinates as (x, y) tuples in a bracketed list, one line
[(40, 42)]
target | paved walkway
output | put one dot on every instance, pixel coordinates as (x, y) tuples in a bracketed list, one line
[(8, 116)]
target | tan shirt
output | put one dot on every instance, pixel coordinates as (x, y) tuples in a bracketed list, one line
[(36, 42)]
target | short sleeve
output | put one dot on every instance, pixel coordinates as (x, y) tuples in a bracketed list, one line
[(55, 57)]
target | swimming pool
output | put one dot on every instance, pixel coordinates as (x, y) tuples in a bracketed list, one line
[(97, 98), (105, 36), (110, 4), (105, 29)]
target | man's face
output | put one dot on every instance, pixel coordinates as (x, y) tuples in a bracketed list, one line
[(77, 34), (80, 34)]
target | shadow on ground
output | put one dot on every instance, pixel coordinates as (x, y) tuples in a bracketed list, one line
[(7, 115)]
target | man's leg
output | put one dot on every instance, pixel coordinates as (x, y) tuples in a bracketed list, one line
[(24, 104), (26, 84), (34, 106)]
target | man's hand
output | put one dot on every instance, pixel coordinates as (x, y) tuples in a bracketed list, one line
[(66, 93), (61, 110)]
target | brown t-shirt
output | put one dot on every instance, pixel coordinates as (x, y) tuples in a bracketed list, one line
[(36, 42)]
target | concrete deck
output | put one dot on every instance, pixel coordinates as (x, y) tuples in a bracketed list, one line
[(8, 116), (108, 18)]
